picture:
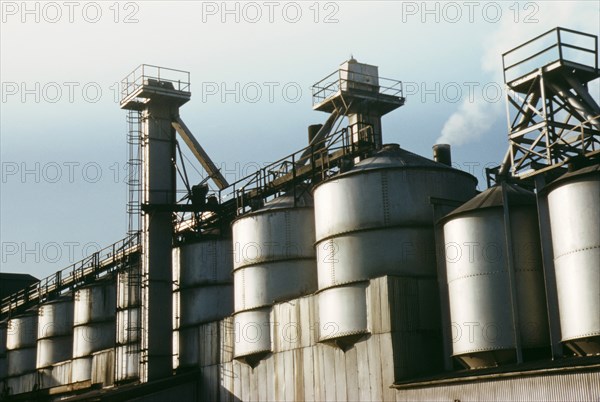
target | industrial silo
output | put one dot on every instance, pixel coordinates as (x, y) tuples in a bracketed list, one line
[(94, 325), (495, 278), (573, 202), (205, 290), (3, 361), (373, 220), (21, 343), (274, 260), (128, 333), (55, 337)]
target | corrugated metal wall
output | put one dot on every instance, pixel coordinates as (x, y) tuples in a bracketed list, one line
[(543, 387), (404, 341)]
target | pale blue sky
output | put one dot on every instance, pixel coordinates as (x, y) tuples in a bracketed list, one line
[(434, 46)]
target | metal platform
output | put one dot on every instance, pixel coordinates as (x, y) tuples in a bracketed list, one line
[(555, 70), (157, 83), (560, 56), (348, 89)]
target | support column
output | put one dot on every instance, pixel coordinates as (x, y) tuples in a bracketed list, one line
[(159, 187)]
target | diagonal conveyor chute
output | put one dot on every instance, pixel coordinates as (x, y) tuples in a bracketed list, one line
[(199, 153)]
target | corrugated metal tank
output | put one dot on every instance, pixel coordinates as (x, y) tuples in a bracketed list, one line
[(574, 202), (55, 332), (376, 219), (127, 351), (252, 334), (274, 260), (94, 325), (205, 291), (479, 287), (21, 343), (3, 361)]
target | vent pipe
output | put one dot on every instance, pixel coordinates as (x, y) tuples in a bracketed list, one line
[(442, 154)]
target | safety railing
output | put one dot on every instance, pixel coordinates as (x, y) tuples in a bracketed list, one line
[(558, 44), (72, 276), (315, 159), (147, 74), (346, 80)]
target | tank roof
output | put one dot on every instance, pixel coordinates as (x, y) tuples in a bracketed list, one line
[(588, 170), (493, 197), (305, 199), (392, 156)]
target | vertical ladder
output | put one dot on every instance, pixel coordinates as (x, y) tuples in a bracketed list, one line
[(132, 268), (135, 142)]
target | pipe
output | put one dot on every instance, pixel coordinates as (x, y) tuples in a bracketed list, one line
[(442, 154)]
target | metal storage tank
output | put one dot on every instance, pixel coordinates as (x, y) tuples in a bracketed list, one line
[(94, 325), (3, 362), (376, 219), (479, 280), (252, 335), (21, 343), (55, 332), (274, 260), (574, 202), (128, 332), (205, 292)]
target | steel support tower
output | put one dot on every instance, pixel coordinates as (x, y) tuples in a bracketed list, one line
[(552, 118), (157, 93)]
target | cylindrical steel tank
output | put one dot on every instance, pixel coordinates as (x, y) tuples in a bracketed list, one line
[(21, 343), (128, 321), (55, 332), (479, 281), (127, 361), (205, 291), (376, 219), (94, 325), (3, 361), (343, 313), (574, 202), (274, 258), (252, 334)]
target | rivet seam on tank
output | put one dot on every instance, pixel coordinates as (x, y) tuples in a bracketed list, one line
[(384, 197), (288, 231), (243, 288), (478, 274), (576, 251), (580, 336), (482, 350), (345, 333), (213, 246), (331, 259)]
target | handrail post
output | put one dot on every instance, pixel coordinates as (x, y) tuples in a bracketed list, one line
[(560, 56)]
